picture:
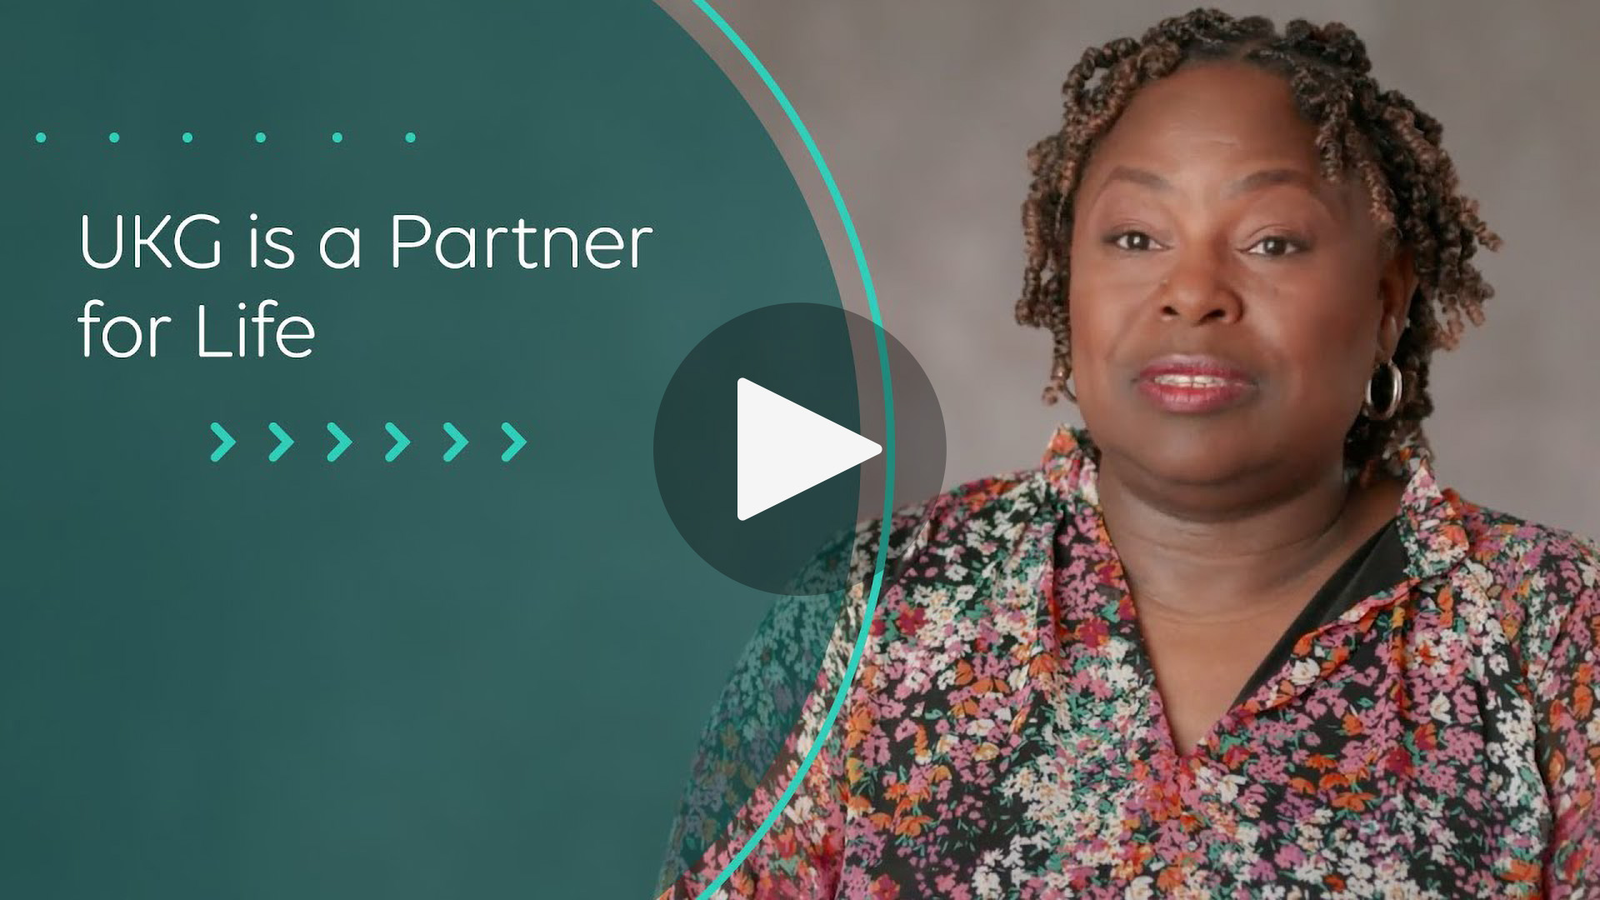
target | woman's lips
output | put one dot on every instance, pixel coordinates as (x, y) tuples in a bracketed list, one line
[(1194, 386)]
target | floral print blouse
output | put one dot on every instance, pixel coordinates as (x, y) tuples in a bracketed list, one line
[(1437, 735)]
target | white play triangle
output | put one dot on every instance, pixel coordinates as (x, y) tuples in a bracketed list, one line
[(785, 448)]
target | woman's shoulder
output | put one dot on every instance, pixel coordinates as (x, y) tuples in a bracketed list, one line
[(1517, 549), (981, 508), (987, 514), (1542, 580)]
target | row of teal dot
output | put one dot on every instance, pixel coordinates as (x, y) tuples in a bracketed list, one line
[(188, 137)]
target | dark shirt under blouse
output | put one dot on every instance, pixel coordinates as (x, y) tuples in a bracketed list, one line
[(1377, 564)]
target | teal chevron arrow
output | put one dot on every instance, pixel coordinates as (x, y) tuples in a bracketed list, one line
[(344, 441), (284, 442), (401, 442), (517, 441), (226, 438), (460, 441)]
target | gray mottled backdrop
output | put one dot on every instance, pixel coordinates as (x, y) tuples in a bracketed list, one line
[(924, 109)]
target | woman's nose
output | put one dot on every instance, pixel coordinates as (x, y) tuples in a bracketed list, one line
[(1198, 290)]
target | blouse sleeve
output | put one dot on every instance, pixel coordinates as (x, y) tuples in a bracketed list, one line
[(1564, 670), (770, 715)]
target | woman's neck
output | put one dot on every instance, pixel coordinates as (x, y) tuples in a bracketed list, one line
[(1218, 553)]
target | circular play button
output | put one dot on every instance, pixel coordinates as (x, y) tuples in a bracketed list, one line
[(772, 446)]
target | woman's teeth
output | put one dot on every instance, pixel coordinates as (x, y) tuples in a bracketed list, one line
[(1190, 380)]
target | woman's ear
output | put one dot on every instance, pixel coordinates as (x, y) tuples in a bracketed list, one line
[(1397, 284)]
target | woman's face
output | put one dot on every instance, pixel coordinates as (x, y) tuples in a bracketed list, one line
[(1228, 305)]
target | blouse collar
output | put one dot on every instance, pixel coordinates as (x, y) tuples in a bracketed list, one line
[(1431, 519)]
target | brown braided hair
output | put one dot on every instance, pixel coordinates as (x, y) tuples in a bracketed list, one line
[(1390, 144)]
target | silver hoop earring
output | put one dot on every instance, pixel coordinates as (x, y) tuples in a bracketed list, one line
[(1396, 391)]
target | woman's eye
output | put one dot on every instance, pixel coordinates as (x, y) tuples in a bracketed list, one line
[(1276, 245), (1132, 240)]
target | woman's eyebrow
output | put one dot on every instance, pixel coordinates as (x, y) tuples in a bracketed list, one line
[(1143, 177), (1251, 182), (1268, 177)]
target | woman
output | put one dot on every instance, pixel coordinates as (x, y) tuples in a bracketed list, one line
[(1239, 642)]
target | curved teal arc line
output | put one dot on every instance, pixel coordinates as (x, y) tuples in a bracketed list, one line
[(888, 412)]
